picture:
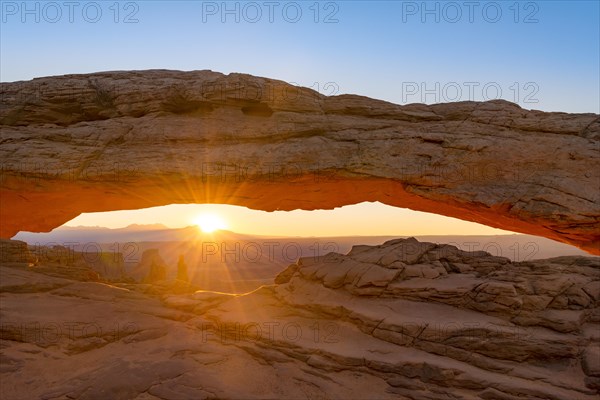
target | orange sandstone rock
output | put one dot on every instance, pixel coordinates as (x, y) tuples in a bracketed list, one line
[(126, 140)]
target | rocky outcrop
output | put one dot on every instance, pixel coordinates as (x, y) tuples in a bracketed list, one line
[(128, 140), (471, 307), (151, 268), (182, 270), (405, 319), (524, 293), (15, 251), (97, 263)]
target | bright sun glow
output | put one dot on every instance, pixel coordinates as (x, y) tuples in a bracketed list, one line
[(210, 223)]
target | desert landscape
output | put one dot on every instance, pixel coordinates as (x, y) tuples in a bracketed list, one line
[(404, 319), (230, 262), (336, 215), (395, 318)]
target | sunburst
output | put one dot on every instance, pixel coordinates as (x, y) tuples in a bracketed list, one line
[(210, 223)]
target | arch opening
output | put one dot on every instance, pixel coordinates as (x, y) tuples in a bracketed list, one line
[(234, 249)]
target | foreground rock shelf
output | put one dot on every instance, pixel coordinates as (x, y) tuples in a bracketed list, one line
[(129, 140), (405, 320)]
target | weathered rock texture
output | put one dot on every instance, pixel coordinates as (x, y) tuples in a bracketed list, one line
[(403, 320), (15, 251), (127, 140)]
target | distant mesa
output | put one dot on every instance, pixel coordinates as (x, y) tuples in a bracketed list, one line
[(139, 227)]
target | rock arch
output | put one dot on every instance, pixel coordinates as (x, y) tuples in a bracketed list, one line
[(128, 140)]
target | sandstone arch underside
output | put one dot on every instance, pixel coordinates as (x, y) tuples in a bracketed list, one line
[(128, 140)]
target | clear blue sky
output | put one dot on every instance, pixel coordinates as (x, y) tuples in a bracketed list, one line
[(541, 54), (379, 48)]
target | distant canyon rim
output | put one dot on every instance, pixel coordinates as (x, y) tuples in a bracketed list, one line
[(134, 139)]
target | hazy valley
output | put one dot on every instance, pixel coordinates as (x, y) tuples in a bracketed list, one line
[(237, 263)]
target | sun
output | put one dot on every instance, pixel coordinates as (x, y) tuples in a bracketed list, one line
[(210, 222)]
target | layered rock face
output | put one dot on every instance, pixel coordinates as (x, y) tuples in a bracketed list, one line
[(471, 307), (15, 251), (403, 320), (127, 140)]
